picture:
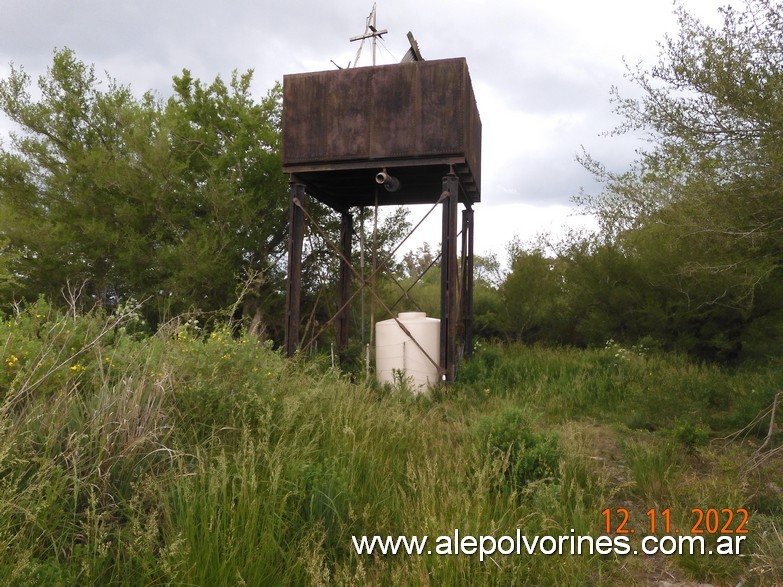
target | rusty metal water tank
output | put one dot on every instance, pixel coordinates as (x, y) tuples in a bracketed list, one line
[(415, 120)]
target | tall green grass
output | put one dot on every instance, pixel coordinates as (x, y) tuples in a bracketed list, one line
[(206, 458)]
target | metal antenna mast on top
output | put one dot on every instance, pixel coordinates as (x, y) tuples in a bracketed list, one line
[(370, 31)]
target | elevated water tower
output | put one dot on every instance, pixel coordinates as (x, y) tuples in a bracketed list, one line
[(400, 134)]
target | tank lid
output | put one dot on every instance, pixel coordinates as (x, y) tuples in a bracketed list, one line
[(412, 315)]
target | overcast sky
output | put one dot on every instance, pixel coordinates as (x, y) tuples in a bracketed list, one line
[(541, 71)]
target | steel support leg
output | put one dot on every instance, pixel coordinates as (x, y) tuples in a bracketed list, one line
[(294, 291), (449, 280)]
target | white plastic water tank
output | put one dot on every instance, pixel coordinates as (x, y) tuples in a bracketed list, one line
[(396, 352)]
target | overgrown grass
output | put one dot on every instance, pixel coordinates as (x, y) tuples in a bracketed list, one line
[(195, 458)]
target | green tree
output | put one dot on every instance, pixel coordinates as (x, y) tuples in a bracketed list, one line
[(702, 209), (230, 215), (532, 295), (173, 202), (69, 195), (489, 314), (606, 294)]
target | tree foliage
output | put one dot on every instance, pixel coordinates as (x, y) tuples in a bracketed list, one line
[(699, 218), (532, 295), (170, 201)]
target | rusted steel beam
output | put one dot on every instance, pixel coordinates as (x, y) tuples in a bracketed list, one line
[(346, 234), (449, 279), (467, 282), (294, 289)]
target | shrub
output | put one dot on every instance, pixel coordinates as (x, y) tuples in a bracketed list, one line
[(530, 456), (690, 435)]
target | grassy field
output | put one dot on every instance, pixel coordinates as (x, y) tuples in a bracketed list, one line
[(203, 458)]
